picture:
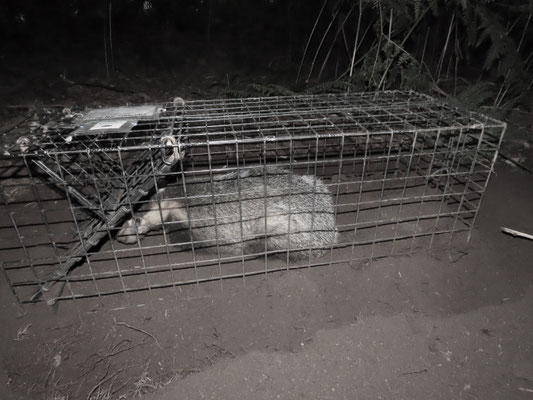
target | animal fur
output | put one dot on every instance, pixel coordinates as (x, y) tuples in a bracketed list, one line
[(249, 211)]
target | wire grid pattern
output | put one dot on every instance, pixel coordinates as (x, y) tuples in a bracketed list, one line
[(403, 170)]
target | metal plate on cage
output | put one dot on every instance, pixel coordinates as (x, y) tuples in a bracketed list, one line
[(116, 119), (127, 112), (106, 127)]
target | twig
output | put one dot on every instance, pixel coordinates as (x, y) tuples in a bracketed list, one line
[(142, 331), (333, 18), (18, 123), (414, 372), (95, 85), (105, 54), (309, 40), (356, 44), (111, 353), (20, 107), (423, 52), (437, 89), (22, 332), (111, 40), (445, 48), (339, 29), (104, 381), (463, 253), (402, 43), (121, 386), (505, 157), (517, 233)]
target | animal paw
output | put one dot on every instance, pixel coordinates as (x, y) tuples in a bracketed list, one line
[(128, 233)]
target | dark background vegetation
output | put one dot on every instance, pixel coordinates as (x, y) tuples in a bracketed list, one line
[(477, 53)]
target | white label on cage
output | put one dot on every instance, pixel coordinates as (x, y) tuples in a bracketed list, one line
[(112, 124)]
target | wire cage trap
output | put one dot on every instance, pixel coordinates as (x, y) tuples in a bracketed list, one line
[(116, 200)]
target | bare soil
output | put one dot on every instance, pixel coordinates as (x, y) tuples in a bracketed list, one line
[(441, 324)]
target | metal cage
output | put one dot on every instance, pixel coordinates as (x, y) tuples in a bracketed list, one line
[(234, 188)]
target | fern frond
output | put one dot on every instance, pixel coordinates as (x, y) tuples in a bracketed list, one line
[(270, 89), (332, 87), (417, 4), (257, 89), (239, 94), (474, 96)]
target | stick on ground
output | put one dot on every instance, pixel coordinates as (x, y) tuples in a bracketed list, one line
[(140, 330), (517, 233)]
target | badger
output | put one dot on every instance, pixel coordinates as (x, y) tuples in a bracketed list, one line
[(251, 210)]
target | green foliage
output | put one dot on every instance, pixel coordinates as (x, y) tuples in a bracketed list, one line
[(270, 90), (260, 90), (473, 97), (433, 46), (332, 87)]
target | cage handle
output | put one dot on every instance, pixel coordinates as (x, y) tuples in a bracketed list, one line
[(174, 156)]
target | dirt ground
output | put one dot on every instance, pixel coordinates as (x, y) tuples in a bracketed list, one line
[(441, 324)]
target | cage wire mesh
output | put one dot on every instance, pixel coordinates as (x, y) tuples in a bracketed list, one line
[(113, 201)]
